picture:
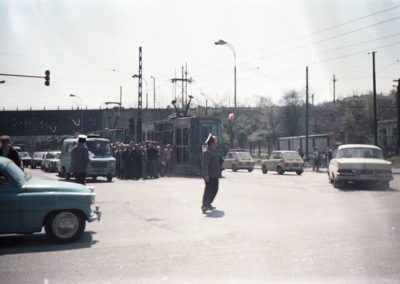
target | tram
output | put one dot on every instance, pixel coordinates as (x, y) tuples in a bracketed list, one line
[(186, 135)]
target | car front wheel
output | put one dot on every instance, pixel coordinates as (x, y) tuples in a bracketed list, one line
[(264, 169), (280, 170), (65, 226)]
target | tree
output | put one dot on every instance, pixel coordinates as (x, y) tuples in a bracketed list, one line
[(292, 111)]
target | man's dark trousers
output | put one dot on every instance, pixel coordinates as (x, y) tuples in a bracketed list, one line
[(80, 178), (210, 191)]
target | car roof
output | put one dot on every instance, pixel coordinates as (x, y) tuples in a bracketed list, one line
[(346, 146), (284, 151)]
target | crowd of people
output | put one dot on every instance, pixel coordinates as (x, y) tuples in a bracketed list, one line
[(142, 160)]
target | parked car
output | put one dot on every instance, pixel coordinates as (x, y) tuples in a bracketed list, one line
[(27, 205), (102, 163), (237, 160), (25, 159), (50, 161), (37, 158), (283, 161), (359, 163)]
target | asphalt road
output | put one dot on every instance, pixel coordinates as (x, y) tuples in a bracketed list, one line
[(267, 228)]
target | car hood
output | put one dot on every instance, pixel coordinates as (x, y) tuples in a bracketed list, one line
[(53, 160), (40, 185), (363, 163)]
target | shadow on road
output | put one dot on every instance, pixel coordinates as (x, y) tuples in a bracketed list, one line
[(362, 187), (215, 214), (19, 244)]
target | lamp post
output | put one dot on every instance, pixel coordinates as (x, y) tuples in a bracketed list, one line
[(222, 42), (80, 101)]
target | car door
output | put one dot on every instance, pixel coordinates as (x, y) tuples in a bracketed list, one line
[(271, 162), (9, 204)]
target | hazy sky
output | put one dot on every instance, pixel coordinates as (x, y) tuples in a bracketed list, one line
[(91, 49)]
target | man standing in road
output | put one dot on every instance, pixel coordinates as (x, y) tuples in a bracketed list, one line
[(80, 160), (211, 172), (7, 151)]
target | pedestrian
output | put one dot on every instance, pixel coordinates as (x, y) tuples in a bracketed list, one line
[(301, 153), (136, 162), (211, 172), (125, 159), (152, 155), (144, 162), (328, 156), (316, 160), (80, 160), (167, 159), (7, 151)]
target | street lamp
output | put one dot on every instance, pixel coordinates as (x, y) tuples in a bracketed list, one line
[(80, 101), (222, 42)]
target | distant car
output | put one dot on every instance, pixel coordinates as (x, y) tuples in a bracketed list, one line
[(237, 160), (25, 159), (27, 205), (37, 158), (283, 161), (50, 161), (359, 163)]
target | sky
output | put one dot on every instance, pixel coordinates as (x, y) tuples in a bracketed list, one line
[(91, 49)]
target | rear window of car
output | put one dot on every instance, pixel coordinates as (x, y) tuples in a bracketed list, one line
[(244, 155), (291, 155), (359, 153)]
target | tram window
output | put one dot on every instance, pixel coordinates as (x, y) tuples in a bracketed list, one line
[(178, 136), (185, 136)]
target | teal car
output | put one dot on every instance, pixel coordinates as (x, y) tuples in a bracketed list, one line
[(27, 205)]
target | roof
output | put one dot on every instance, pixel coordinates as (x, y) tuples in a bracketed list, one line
[(4, 161), (346, 146)]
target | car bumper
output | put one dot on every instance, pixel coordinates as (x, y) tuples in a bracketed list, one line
[(95, 214), (293, 169), (363, 178)]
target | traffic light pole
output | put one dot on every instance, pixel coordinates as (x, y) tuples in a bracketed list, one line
[(46, 77)]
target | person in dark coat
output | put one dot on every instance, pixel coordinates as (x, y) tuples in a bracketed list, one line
[(211, 172), (7, 151), (136, 157), (125, 160), (80, 160), (152, 156)]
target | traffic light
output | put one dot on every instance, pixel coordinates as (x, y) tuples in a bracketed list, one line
[(47, 78)]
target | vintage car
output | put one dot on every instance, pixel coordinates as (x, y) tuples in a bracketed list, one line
[(37, 158), (27, 205), (25, 159), (51, 160), (237, 160), (283, 161), (359, 163)]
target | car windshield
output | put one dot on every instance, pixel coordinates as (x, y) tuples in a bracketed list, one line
[(15, 172), (37, 154), (244, 155), (53, 155), (23, 154), (359, 153), (99, 148), (291, 155)]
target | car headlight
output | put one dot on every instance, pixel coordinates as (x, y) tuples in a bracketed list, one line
[(93, 198)]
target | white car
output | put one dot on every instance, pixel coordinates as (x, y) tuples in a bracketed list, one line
[(50, 160), (283, 161), (359, 163)]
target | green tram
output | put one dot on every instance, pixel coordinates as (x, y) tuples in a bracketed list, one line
[(186, 135)]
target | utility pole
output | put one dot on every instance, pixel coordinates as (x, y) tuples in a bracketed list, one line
[(154, 92), (139, 115), (186, 73), (184, 81), (334, 90), (306, 112), (375, 106), (398, 116)]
